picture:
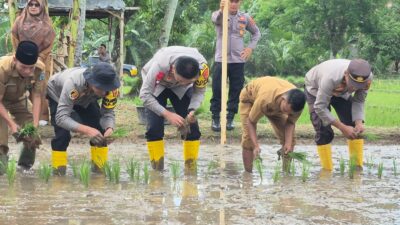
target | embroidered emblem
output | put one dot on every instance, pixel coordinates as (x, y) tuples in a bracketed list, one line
[(110, 101), (74, 94), (202, 81)]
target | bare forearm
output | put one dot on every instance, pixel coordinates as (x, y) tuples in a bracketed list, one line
[(252, 130), (289, 133)]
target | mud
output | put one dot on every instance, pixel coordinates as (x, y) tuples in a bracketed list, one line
[(222, 195)]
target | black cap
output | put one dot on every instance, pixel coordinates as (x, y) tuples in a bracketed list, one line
[(359, 71), (27, 52), (102, 76)]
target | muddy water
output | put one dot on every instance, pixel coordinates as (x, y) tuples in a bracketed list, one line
[(224, 195)]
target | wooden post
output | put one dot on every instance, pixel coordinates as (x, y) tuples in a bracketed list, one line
[(121, 51), (74, 21), (224, 71)]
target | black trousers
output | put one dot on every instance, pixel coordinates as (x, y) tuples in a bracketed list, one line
[(89, 116), (324, 134), (236, 81), (155, 123)]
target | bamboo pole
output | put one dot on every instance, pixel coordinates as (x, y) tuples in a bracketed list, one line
[(74, 21), (121, 50), (224, 71)]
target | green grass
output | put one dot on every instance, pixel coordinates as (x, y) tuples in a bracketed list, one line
[(380, 170), (342, 165), (45, 171), (11, 171)]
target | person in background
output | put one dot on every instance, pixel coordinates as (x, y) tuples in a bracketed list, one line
[(238, 54), (103, 54)]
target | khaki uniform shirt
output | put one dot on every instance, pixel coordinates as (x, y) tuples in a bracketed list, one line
[(13, 87), (265, 96), (70, 88), (157, 76)]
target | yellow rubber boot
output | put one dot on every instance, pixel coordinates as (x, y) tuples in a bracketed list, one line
[(59, 162), (156, 154), (356, 149), (325, 156), (190, 153), (99, 156)]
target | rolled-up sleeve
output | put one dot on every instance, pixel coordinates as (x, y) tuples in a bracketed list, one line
[(322, 101), (147, 89), (197, 97), (255, 33), (216, 17), (107, 119)]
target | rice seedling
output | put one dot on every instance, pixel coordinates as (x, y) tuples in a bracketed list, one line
[(132, 168), (394, 167), (175, 169), (11, 171), (45, 171), (138, 172), (370, 163), (119, 132), (75, 168), (29, 131), (305, 171), (146, 172), (380, 170), (116, 171), (84, 173), (342, 165), (212, 165), (300, 156), (352, 166), (277, 173), (259, 166), (293, 168), (107, 170)]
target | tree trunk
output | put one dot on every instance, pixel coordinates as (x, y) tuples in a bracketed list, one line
[(74, 21), (81, 34), (168, 20)]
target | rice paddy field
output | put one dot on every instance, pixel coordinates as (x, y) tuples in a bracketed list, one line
[(219, 191)]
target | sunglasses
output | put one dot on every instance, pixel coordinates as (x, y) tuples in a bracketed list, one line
[(37, 5)]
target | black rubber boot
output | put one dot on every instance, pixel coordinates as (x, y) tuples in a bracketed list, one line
[(216, 124), (27, 157), (60, 171), (3, 159), (230, 125)]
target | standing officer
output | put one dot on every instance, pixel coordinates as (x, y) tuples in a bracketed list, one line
[(280, 102), (238, 54), (18, 74), (332, 83), (77, 90), (179, 74)]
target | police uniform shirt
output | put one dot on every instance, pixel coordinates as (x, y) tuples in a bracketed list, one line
[(70, 88), (12, 86), (237, 26), (157, 76), (265, 96), (324, 80)]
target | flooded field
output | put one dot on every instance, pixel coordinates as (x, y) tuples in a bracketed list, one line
[(220, 192)]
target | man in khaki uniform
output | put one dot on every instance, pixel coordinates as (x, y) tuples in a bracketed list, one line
[(281, 102), (19, 74)]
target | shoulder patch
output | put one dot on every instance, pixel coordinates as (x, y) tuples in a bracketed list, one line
[(202, 81), (41, 76), (74, 94), (252, 22), (110, 100)]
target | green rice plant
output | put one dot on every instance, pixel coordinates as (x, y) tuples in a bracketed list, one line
[(370, 163), (116, 171), (342, 165), (107, 170), (300, 156), (29, 131), (352, 166), (132, 168), (175, 169), (394, 167), (45, 171), (11, 171), (380, 170), (259, 166), (119, 132), (84, 173), (292, 168), (212, 165), (146, 173), (305, 171), (277, 173), (75, 168), (138, 172)]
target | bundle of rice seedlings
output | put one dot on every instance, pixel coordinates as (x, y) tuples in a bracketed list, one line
[(259, 166), (45, 172)]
